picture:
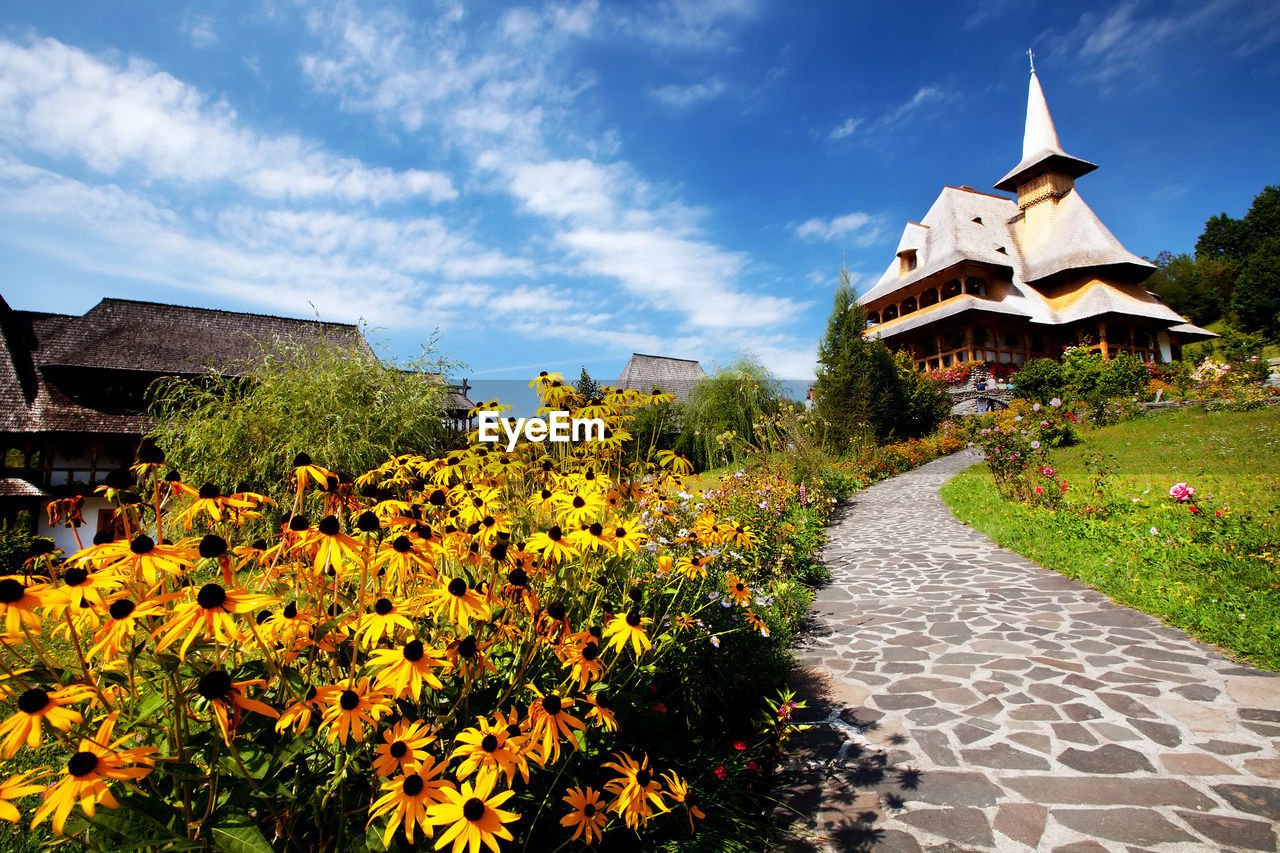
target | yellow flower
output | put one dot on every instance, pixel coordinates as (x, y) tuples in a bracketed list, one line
[(588, 815), (471, 816), (402, 672), (635, 790), (214, 609), (403, 747), (408, 798), (347, 709), (36, 706), (628, 627), (15, 787)]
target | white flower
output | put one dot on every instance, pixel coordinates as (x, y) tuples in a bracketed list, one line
[(1055, 402), (1035, 445), (1036, 407), (1154, 532), (715, 641)]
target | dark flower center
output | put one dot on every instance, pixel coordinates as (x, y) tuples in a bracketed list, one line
[(633, 618), (262, 616), (214, 685), (513, 730), (398, 749), (259, 545), (468, 648), (621, 533), (103, 537), (643, 778), (473, 809), (596, 528), (149, 454), (518, 577), (590, 651), (458, 587), (402, 544), (82, 764), (367, 522), (142, 544), (212, 546), (75, 576), (330, 526), (383, 606), (489, 743), (499, 552), (302, 460), (349, 700), (211, 595), (311, 693), (41, 546), (578, 502), (437, 498), (33, 701), (603, 701), (556, 610), (741, 587), (122, 608), (299, 522), (413, 651), (119, 479), (291, 610), (552, 704), (589, 810), (209, 491), (546, 494), (555, 533)]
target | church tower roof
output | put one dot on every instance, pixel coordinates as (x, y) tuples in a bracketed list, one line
[(1041, 150)]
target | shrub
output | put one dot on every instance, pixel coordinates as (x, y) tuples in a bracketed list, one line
[(1040, 380), (725, 410)]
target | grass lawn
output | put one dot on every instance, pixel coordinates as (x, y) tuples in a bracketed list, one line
[(1216, 576)]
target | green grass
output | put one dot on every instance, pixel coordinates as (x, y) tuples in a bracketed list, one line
[(1215, 576)]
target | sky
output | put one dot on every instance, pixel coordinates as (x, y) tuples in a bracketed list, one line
[(548, 187)]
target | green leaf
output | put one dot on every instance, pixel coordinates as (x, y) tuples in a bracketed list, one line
[(239, 839)]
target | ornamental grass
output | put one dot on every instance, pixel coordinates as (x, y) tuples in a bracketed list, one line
[(477, 651)]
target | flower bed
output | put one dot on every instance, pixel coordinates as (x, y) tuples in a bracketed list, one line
[(537, 646)]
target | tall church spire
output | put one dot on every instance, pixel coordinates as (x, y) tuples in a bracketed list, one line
[(1041, 150)]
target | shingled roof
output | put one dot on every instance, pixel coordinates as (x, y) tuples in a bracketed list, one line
[(44, 357), (673, 375)]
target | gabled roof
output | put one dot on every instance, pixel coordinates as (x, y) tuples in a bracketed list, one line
[(948, 235), (673, 375), (1041, 151)]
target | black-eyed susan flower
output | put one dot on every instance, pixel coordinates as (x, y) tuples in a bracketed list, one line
[(743, 536), (401, 558), (471, 815), (678, 791), (210, 615), (635, 790), (592, 537), (692, 566), (402, 672), (17, 600), (381, 621), (407, 798), (217, 507), (297, 714), (227, 699), (305, 471), (600, 711), (588, 815), (626, 628), (553, 544), (348, 708), (677, 462), (123, 615), (458, 601), (584, 662), (468, 658), (483, 747), (333, 548), (79, 585), (627, 537), (16, 787), (36, 706), (736, 590), (139, 558), (549, 720), (403, 747), (578, 509), (99, 761)]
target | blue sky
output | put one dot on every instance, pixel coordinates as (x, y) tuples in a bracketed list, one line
[(558, 185)]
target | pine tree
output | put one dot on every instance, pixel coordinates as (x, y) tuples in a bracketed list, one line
[(587, 387), (853, 371)]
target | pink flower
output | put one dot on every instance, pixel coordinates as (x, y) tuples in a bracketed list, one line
[(739, 745), (1181, 492), (1193, 509), (1039, 490), (721, 772), (1064, 485)]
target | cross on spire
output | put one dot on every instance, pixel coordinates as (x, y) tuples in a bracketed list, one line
[(1032, 57)]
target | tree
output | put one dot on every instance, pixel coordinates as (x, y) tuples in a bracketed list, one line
[(1186, 285), (1256, 300), (348, 410), (732, 399), (587, 386)]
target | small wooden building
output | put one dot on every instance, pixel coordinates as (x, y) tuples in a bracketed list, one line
[(985, 277), (675, 376)]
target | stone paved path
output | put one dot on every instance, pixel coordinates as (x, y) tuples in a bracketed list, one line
[(969, 700)]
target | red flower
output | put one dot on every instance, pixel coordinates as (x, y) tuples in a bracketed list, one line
[(752, 765), (721, 772), (1064, 486), (739, 745), (1193, 509)]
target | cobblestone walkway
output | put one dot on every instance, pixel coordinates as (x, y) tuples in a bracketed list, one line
[(966, 699)]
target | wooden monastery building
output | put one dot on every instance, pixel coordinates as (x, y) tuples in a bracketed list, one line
[(988, 278)]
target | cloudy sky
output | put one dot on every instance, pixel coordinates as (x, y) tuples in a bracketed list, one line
[(549, 186)]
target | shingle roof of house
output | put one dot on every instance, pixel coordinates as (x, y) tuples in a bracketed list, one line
[(144, 338), (15, 487), (673, 375)]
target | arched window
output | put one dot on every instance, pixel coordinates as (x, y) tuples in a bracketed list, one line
[(873, 318), (951, 288), (976, 286), (929, 297), (890, 312), (908, 305)]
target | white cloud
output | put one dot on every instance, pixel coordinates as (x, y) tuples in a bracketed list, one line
[(56, 100), (844, 129), (566, 188), (683, 97), (857, 229), (199, 28), (687, 24)]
